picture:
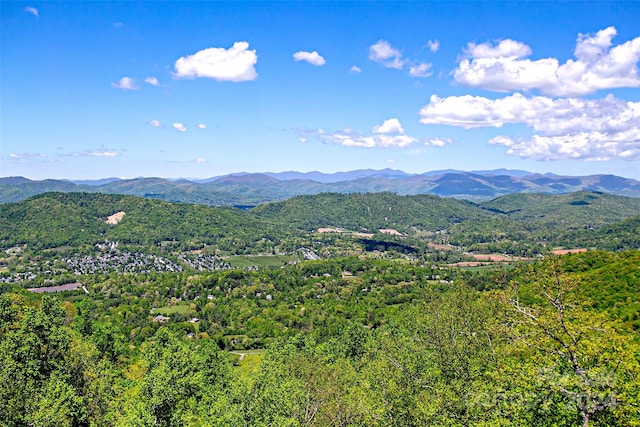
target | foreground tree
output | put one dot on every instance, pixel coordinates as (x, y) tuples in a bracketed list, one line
[(434, 365), (582, 364)]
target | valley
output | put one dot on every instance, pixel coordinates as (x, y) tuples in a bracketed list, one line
[(361, 304)]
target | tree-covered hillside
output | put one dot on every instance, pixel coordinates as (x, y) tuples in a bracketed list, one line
[(573, 210), (370, 211), (516, 224), (79, 219), (582, 219)]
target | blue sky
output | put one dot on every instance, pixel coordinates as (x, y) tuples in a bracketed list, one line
[(199, 89)]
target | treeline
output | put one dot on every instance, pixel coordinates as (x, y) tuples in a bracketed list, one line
[(544, 344)]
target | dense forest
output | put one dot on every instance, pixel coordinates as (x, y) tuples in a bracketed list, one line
[(505, 224), (183, 315)]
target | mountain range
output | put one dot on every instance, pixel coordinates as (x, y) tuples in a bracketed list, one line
[(251, 189)]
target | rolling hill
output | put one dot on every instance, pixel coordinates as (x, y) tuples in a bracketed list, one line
[(79, 219), (57, 219), (370, 211)]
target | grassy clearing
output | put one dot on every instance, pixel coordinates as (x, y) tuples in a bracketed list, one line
[(259, 261), (247, 360)]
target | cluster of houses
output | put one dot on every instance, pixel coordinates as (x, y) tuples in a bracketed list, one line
[(121, 262), (18, 277)]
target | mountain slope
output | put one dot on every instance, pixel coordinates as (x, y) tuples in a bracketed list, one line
[(78, 219), (369, 212)]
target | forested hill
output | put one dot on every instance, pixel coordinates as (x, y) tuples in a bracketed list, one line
[(77, 219), (80, 219), (597, 208), (371, 211)]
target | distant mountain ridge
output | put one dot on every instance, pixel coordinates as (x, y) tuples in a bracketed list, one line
[(255, 188)]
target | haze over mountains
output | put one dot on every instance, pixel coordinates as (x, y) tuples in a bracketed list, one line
[(257, 188)]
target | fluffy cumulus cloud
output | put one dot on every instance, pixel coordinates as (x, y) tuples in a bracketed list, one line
[(236, 64), (126, 83), (593, 146), (155, 123), (389, 126), (390, 134), (355, 69), (313, 58), (202, 126), (433, 45), (420, 70), (383, 53), (179, 127), (152, 81), (564, 128), (597, 65)]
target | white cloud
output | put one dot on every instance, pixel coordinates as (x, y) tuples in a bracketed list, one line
[(421, 70), (383, 53), (202, 126), (200, 160), (438, 142), (505, 49), (152, 81), (355, 69), (348, 138), (102, 153), (390, 161), (26, 156), (32, 10), (433, 45), (235, 64), (389, 134), (126, 83), (564, 128), (179, 126), (597, 66), (389, 126), (312, 58), (593, 146), (155, 123)]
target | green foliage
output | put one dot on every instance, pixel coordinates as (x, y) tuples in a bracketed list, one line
[(79, 219), (369, 212), (350, 341), (521, 224), (582, 358)]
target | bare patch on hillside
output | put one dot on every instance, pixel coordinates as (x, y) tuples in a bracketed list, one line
[(568, 251), (390, 231), (115, 218)]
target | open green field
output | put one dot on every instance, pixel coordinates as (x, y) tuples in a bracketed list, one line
[(241, 261)]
